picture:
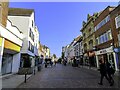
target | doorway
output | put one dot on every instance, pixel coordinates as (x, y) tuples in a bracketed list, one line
[(7, 63)]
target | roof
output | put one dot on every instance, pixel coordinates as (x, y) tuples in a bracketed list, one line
[(77, 38), (116, 9), (20, 12)]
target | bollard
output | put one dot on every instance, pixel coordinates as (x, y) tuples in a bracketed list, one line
[(25, 76)]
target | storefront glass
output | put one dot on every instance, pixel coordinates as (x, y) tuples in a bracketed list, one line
[(7, 63)]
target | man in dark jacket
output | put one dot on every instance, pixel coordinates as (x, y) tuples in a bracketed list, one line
[(103, 71), (110, 71)]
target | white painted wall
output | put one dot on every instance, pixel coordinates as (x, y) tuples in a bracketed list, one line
[(25, 28), (16, 62), (14, 29), (22, 22), (1, 54), (36, 41), (6, 33)]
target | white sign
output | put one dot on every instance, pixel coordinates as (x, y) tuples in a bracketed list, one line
[(104, 51)]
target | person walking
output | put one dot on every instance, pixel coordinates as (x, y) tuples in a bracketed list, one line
[(103, 72), (110, 72), (55, 62)]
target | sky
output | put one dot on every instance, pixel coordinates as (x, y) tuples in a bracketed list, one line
[(60, 22)]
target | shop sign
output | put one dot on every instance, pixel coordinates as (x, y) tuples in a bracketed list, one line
[(11, 46), (104, 51)]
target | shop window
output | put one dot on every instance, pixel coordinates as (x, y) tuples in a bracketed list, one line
[(111, 59)]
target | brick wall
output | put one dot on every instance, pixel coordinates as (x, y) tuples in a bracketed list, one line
[(4, 13)]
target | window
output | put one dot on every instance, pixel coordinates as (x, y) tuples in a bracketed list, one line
[(32, 23), (100, 39), (97, 41), (30, 32), (84, 35), (109, 35), (104, 21), (90, 31), (106, 37), (90, 44), (31, 47), (117, 20)]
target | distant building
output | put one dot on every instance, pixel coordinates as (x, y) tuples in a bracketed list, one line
[(78, 49), (47, 51), (89, 40)]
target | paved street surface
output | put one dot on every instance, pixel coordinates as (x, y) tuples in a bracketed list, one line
[(66, 77), (13, 81)]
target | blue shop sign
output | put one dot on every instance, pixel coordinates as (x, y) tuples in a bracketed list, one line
[(117, 50)]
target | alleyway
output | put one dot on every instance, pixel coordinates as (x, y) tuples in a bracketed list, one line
[(66, 77)]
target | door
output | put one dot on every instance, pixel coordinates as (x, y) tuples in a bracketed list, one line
[(7, 63)]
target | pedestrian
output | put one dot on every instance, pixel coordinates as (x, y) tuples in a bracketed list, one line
[(110, 72), (103, 71), (74, 62), (55, 63)]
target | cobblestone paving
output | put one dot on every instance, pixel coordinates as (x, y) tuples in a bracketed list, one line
[(66, 77)]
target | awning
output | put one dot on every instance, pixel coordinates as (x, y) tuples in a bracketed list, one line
[(11, 46)]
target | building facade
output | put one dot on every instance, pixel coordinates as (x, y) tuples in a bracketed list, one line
[(10, 44), (29, 30), (89, 40), (78, 49), (115, 25), (104, 37)]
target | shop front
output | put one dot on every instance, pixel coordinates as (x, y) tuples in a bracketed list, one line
[(107, 54), (10, 58)]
